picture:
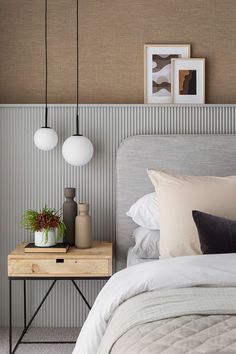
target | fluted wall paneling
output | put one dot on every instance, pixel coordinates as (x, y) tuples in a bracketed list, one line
[(30, 178)]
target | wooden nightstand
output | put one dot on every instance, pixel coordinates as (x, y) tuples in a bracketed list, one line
[(91, 262), (76, 264)]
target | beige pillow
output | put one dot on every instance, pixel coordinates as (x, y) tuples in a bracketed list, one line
[(178, 196)]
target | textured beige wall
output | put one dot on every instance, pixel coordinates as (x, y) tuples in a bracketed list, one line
[(112, 35)]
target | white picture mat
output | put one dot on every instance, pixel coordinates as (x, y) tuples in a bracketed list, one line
[(189, 64), (183, 50)]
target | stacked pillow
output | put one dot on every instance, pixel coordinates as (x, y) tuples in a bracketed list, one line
[(216, 234), (145, 213), (178, 197), (197, 215)]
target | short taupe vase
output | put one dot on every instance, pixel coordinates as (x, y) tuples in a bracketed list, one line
[(83, 227)]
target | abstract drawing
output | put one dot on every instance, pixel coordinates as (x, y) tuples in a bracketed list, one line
[(161, 74), (187, 82)]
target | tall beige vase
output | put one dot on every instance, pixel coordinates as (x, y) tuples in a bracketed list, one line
[(83, 227)]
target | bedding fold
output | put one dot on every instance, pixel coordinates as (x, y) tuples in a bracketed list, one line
[(163, 304), (174, 273)]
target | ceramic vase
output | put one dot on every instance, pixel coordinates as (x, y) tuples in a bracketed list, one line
[(83, 233), (43, 239), (69, 215)]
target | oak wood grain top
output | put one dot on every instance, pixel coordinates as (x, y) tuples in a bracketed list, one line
[(99, 250)]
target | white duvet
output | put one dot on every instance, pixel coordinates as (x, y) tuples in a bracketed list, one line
[(180, 272)]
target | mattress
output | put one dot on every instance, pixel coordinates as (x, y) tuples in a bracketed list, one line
[(133, 259)]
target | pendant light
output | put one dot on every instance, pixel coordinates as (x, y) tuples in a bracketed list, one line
[(46, 138), (77, 150)]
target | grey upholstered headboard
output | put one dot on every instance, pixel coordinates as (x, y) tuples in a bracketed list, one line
[(184, 154)]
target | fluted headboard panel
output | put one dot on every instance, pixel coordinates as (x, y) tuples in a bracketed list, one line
[(195, 155)]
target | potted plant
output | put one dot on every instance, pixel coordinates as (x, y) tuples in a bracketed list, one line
[(44, 223)]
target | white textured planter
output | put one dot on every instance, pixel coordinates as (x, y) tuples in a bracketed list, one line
[(40, 239)]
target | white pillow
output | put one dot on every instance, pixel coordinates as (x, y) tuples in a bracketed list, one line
[(145, 212), (146, 242)]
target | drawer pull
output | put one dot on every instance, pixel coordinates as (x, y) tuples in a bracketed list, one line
[(59, 260)]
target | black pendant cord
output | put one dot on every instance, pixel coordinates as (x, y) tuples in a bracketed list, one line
[(46, 64), (77, 68)]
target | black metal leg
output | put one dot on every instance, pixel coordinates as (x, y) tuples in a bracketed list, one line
[(26, 326), (10, 317), (25, 304), (33, 317), (40, 305), (81, 294)]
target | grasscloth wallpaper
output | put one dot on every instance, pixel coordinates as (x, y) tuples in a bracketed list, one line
[(112, 35)]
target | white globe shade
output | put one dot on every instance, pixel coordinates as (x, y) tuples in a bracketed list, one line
[(45, 139), (77, 150)]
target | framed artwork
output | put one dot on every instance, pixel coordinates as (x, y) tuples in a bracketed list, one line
[(157, 70), (188, 80)]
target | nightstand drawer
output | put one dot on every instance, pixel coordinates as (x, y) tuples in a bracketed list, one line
[(59, 267)]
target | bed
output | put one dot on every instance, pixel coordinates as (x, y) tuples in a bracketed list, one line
[(178, 305)]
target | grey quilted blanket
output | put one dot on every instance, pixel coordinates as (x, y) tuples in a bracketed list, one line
[(190, 320)]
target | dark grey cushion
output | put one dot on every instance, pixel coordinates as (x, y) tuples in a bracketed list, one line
[(216, 234)]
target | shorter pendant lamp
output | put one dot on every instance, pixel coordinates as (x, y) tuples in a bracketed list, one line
[(46, 138), (77, 150)]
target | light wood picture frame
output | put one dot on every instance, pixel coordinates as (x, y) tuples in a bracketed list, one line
[(188, 80), (157, 70)]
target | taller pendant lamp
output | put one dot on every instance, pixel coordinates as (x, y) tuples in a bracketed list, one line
[(46, 138), (77, 150)]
